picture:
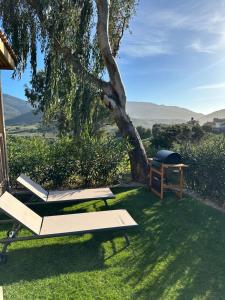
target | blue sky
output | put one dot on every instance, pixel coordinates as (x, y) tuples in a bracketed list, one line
[(174, 56)]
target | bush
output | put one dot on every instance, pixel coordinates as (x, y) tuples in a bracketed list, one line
[(164, 136), (89, 162), (145, 133), (102, 160), (28, 155), (206, 172)]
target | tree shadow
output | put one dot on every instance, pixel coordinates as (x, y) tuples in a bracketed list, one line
[(176, 251), (179, 248)]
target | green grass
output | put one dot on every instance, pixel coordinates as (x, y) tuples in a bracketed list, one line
[(177, 252)]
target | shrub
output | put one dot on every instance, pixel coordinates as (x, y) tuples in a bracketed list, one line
[(102, 160), (30, 156), (145, 133), (164, 136), (206, 173), (89, 162)]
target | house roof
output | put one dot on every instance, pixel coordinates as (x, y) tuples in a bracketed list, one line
[(7, 55)]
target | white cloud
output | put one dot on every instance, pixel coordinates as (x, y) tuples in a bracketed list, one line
[(210, 46), (144, 50), (194, 25), (211, 86), (167, 18), (198, 46)]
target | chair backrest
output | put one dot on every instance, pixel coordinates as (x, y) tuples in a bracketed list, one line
[(20, 212), (33, 186)]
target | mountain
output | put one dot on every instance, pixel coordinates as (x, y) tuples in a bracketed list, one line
[(146, 114), (18, 111), (27, 118), (14, 107), (220, 114)]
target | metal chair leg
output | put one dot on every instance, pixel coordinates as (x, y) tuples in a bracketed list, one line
[(106, 203), (10, 235), (127, 239)]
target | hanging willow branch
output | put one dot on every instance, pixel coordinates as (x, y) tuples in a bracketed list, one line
[(66, 30)]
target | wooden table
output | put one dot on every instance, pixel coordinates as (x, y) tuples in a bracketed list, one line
[(160, 175)]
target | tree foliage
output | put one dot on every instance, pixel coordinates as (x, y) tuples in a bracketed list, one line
[(145, 133), (164, 136), (65, 32)]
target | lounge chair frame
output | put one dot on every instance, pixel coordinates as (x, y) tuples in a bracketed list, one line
[(44, 195), (58, 225), (39, 202)]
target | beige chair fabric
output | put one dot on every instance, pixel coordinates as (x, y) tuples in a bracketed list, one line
[(67, 195), (20, 212), (33, 187), (64, 224), (83, 222)]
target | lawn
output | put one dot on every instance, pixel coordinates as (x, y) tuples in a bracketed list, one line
[(176, 252)]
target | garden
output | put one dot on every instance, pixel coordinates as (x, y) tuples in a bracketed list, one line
[(176, 252), (65, 242)]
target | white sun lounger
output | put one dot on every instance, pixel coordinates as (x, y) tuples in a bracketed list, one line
[(59, 225), (65, 196)]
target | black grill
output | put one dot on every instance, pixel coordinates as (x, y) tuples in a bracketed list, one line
[(167, 157), (166, 172)]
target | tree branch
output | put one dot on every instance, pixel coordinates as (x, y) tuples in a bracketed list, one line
[(69, 56), (106, 51), (78, 68)]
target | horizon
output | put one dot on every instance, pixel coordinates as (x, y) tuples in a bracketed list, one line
[(175, 55), (141, 102)]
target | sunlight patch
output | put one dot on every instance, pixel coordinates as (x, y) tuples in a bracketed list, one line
[(1, 293)]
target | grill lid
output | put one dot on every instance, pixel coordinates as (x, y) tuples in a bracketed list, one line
[(168, 157)]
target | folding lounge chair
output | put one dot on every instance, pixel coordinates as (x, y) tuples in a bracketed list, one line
[(58, 225), (65, 196)]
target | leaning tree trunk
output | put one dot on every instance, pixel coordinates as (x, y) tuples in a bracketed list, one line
[(115, 97), (137, 155)]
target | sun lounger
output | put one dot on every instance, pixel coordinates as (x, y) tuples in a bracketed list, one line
[(59, 225), (65, 196)]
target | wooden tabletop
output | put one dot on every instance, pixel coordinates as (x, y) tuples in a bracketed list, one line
[(169, 165)]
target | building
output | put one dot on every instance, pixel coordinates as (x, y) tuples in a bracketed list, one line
[(217, 125), (7, 62)]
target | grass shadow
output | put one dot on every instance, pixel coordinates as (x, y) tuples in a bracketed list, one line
[(52, 257), (176, 252), (179, 248)]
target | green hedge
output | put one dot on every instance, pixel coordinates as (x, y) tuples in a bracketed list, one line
[(206, 172), (62, 162)]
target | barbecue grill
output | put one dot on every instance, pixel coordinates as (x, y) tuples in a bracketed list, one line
[(160, 167), (168, 157)]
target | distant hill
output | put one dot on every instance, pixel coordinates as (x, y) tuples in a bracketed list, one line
[(146, 114), (14, 107), (19, 112), (220, 114), (27, 118)]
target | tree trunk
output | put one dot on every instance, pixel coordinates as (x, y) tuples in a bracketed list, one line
[(115, 97), (137, 155)]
